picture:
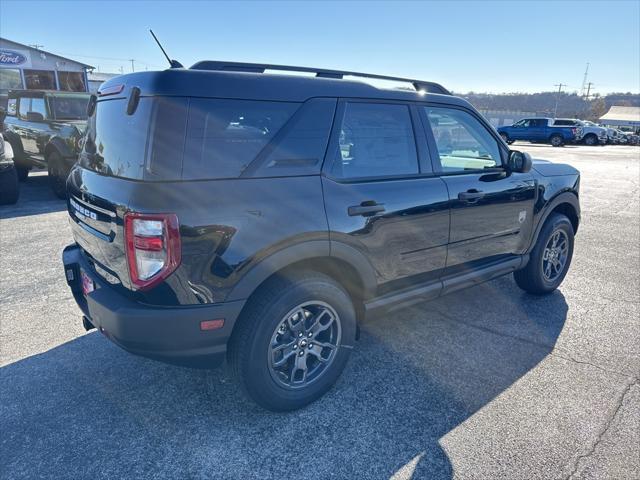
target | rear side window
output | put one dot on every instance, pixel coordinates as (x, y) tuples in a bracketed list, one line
[(375, 139), (225, 136)]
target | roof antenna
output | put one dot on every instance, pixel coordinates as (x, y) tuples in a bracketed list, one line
[(173, 63)]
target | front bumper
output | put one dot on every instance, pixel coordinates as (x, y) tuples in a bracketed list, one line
[(169, 334)]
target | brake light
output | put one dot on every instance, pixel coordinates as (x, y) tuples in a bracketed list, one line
[(153, 247)]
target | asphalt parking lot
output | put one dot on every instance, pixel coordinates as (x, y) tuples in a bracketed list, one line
[(487, 383)]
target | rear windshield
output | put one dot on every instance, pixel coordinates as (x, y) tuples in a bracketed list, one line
[(173, 138)]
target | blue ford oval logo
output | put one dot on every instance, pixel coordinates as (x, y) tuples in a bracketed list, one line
[(9, 57)]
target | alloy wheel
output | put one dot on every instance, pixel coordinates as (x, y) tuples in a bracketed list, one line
[(304, 344), (554, 256)]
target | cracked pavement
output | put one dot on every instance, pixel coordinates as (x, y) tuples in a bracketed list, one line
[(487, 383)]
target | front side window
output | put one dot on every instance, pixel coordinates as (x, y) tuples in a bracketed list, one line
[(40, 79), (463, 143), (37, 106), (375, 140)]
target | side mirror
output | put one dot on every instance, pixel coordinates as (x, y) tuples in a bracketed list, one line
[(519, 162), (35, 117)]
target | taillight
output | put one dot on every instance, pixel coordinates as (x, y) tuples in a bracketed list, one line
[(153, 247)]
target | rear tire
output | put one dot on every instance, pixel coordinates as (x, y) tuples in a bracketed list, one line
[(9, 186), (556, 140), (23, 173), (548, 263), (279, 378), (57, 175)]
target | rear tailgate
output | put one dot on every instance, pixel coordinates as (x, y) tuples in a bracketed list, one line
[(96, 205)]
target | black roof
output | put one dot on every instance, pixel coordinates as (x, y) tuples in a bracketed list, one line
[(196, 82)]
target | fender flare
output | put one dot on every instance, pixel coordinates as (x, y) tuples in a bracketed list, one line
[(299, 252), (566, 196), (57, 143), (16, 144)]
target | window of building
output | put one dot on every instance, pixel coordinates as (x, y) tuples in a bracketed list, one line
[(40, 79), (72, 81), (10, 78)]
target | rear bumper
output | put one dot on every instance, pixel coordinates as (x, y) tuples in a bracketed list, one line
[(169, 334)]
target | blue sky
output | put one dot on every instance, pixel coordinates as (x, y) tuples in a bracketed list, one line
[(481, 46)]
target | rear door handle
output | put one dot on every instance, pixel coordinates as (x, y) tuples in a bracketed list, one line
[(366, 209), (471, 196)]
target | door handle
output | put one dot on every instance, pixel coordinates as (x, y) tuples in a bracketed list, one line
[(366, 209), (471, 196)]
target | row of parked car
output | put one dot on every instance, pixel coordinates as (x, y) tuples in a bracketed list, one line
[(561, 131)]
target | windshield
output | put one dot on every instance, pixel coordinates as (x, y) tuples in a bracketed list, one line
[(69, 107)]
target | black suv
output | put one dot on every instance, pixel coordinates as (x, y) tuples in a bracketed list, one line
[(45, 129), (221, 211)]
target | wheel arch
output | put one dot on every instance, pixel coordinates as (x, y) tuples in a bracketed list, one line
[(343, 263), (565, 203), (56, 144)]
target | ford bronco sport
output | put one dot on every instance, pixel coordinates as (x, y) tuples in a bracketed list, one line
[(45, 128), (224, 211)]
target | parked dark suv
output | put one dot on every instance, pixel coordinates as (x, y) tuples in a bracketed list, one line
[(45, 128), (220, 211)]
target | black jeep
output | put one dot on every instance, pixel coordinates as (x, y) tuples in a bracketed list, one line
[(224, 212), (45, 128)]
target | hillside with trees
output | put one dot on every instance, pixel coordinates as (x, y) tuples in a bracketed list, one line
[(569, 104)]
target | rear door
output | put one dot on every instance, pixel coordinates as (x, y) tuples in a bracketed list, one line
[(381, 196), (491, 208)]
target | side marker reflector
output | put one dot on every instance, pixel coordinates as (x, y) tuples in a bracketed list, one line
[(212, 324)]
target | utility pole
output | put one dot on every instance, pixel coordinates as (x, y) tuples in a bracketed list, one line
[(586, 97), (132, 67), (559, 85), (584, 80)]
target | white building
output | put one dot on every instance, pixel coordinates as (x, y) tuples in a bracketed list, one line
[(25, 67), (619, 116)]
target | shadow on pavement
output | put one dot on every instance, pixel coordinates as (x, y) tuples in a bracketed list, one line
[(36, 197), (87, 409)]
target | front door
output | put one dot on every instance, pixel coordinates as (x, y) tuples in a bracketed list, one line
[(491, 208), (34, 134), (381, 197)]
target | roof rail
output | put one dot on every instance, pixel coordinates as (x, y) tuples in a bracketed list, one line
[(419, 85)]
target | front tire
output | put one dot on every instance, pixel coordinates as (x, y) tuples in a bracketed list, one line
[(23, 173), (505, 137), (57, 175), (550, 258), (293, 340)]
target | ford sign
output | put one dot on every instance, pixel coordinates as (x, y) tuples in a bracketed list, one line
[(9, 57)]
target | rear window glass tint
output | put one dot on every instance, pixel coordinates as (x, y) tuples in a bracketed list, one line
[(116, 143), (300, 146), (224, 136)]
